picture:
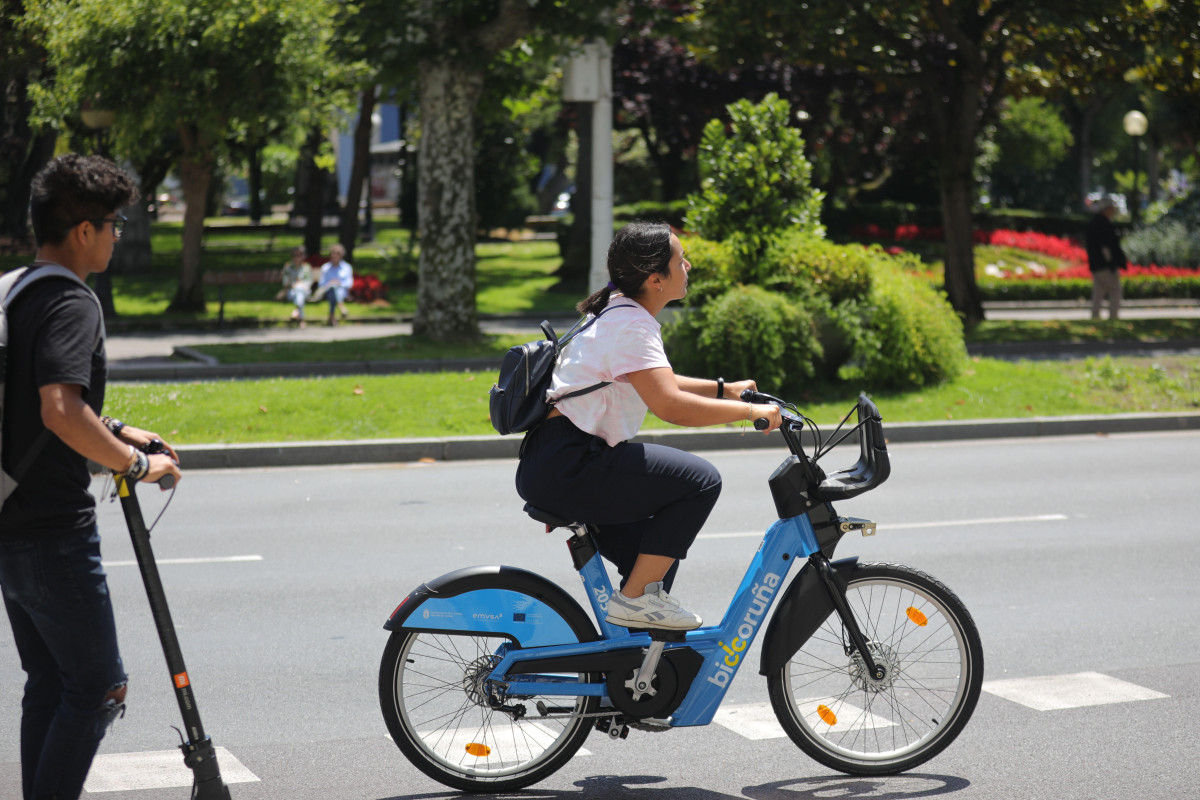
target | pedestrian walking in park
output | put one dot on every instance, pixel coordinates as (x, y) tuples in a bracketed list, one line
[(337, 278), (54, 587), (1105, 258)]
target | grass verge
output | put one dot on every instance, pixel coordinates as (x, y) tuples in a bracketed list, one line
[(455, 404)]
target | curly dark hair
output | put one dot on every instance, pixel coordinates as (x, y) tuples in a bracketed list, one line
[(73, 188), (637, 251)]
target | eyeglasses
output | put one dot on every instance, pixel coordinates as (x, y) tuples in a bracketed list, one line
[(118, 224)]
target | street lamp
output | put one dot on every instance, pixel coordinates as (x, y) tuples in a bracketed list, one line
[(1135, 125)]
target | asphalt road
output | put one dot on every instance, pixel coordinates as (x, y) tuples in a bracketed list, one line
[(1077, 557)]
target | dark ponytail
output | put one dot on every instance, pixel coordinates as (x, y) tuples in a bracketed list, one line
[(637, 251)]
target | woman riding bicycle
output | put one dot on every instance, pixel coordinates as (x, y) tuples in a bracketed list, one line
[(647, 501)]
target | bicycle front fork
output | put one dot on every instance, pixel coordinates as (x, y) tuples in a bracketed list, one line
[(837, 594)]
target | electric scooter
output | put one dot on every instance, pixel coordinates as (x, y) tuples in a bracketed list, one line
[(199, 754)]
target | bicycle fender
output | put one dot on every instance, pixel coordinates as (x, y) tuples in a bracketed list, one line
[(505, 601), (802, 609)]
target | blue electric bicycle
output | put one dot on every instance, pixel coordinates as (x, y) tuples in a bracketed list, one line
[(494, 676)]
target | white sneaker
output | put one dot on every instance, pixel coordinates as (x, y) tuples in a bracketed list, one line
[(654, 609)]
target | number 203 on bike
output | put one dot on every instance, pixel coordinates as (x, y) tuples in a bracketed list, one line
[(493, 676)]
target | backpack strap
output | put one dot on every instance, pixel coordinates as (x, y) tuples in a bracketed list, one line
[(11, 286), (576, 329)]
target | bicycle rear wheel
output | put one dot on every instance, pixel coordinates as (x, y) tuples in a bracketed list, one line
[(436, 703), (925, 638)]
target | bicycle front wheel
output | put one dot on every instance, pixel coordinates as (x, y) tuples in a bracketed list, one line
[(442, 716), (924, 637)]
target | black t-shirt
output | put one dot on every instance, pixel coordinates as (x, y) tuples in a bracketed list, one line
[(53, 327)]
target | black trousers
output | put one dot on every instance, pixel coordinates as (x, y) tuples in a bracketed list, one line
[(643, 498)]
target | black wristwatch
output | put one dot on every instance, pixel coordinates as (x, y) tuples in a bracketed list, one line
[(720, 388)]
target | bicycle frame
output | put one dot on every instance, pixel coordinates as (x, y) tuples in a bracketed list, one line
[(722, 646)]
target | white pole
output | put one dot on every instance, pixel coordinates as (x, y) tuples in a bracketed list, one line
[(602, 171)]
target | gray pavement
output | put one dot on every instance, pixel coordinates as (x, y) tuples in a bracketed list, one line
[(169, 355)]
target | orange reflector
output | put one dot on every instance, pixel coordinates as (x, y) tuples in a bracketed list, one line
[(478, 750), (917, 617), (827, 716)]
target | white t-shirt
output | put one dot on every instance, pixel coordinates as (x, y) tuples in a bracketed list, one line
[(623, 340)]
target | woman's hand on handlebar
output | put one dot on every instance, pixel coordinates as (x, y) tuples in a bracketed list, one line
[(734, 389), (767, 413)]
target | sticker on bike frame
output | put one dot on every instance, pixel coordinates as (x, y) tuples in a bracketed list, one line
[(502, 612)]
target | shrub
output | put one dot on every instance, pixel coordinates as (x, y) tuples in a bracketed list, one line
[(909, 334), (821, 311), (800, 260), (1167, 242), (748, 332), (754, 178), (671, 212)]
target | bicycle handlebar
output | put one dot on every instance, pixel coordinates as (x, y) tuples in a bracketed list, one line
[(157, 447), (873, 466)]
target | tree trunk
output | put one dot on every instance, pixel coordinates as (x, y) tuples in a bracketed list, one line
[(195, 174), (577, 255), (450, 92), (25, 152), (308, 203), (957, 122), (254, 180), (348, 235)]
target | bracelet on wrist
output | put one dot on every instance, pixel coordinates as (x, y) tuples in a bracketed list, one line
[(141, 467)]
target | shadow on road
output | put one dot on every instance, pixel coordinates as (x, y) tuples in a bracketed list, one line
[(616, 787)]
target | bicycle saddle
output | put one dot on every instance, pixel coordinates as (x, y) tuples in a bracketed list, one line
[(551, 520)]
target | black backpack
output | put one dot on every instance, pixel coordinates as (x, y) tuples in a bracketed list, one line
[(518, 398)]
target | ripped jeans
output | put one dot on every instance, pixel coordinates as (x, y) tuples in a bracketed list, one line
[(57, 600)]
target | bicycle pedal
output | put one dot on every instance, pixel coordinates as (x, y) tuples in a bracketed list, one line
[(614, 729)]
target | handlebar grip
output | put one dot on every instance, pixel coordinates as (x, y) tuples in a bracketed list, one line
[(156, 447), (761, 424), (761, 398)]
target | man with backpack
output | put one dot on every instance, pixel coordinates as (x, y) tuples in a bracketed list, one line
[(53, 583)]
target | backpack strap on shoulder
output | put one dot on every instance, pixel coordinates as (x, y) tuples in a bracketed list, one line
[(11, 285)]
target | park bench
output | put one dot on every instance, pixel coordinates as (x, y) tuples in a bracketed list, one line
[(257, 238), (273, 277)]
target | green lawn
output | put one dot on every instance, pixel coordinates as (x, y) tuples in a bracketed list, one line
[(455, 403)]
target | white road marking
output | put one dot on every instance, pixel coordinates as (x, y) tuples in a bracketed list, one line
[(157, 769), (200, 560), (905, 526), (758, 720), (1056, 692)]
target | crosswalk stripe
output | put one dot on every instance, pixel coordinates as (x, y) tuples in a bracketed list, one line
[(155, 769), (1057, 692), (197, 560), (907, 526), (1047, 693)]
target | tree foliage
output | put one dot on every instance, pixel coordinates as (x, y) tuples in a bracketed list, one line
[(193, 70), (957, 54), (445, 48)]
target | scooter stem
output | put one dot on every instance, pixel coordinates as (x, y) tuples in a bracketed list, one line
[(198, 752)]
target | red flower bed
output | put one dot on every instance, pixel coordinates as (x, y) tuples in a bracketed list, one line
[(1059, 247), (367, 288)]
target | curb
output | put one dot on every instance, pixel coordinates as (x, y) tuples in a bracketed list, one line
[(377, 451)]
